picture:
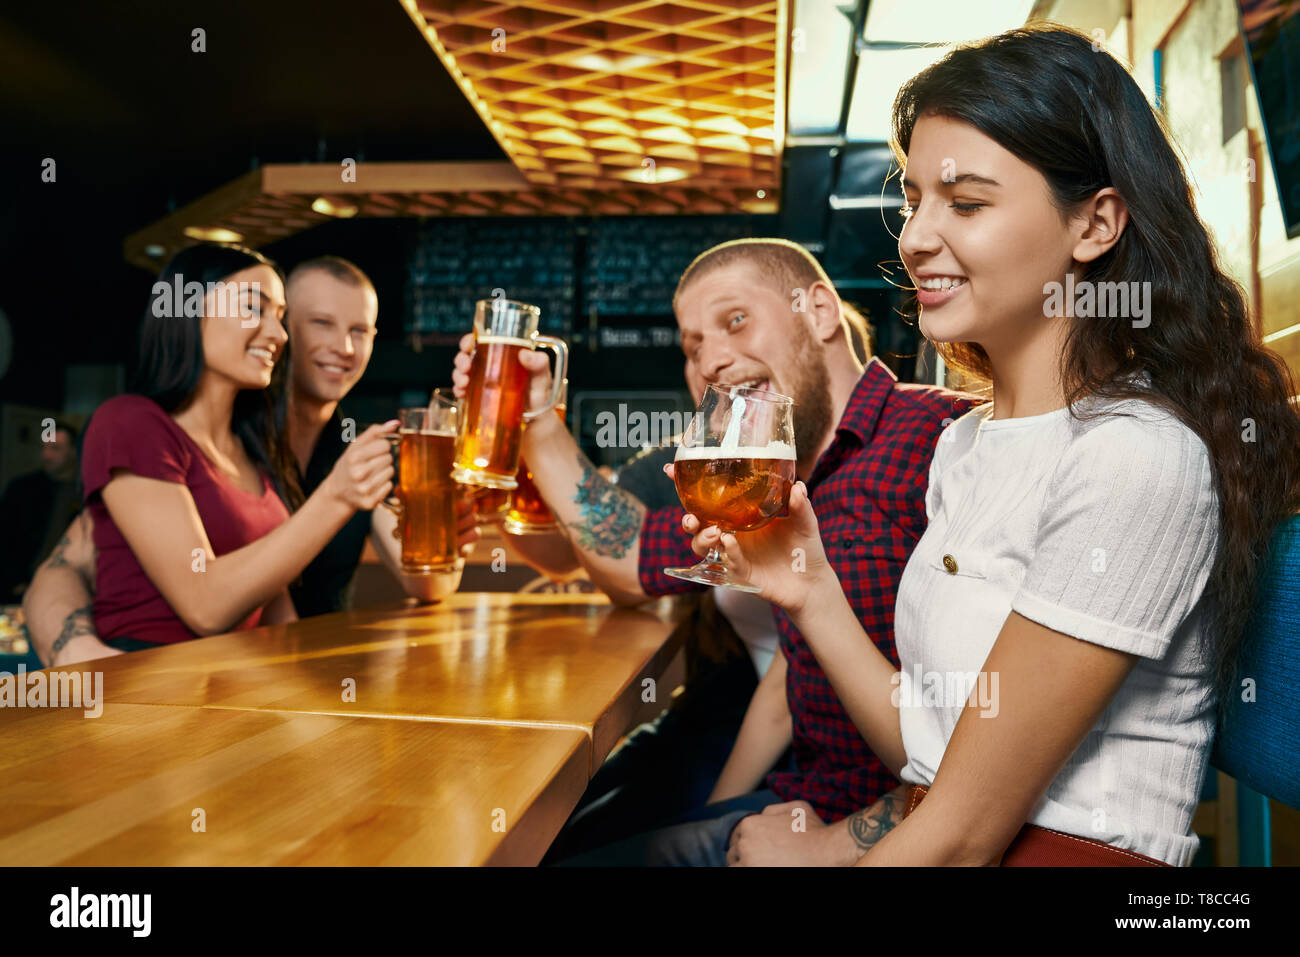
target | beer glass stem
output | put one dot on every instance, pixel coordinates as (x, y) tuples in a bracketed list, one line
[(713, 569), (715, 563)]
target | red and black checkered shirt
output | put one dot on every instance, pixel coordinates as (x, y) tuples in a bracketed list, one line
[(868, 490)]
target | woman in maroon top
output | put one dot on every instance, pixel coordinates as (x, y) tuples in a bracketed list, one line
[(189, 486)]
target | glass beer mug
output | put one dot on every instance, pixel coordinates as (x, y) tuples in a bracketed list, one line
[(528, 512), (491, 504), (493, 416), (424, 495)]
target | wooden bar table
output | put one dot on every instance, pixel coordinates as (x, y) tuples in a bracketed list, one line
[(165, 785), (461, 733), (555, 661)]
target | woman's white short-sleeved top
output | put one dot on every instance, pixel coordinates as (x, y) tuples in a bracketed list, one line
[(1104, 529)]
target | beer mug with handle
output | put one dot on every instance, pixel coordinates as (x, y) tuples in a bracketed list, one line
[(734, 469), (493, 412), (424, 495)]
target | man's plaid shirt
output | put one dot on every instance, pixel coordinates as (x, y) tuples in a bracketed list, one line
[(868, 490)]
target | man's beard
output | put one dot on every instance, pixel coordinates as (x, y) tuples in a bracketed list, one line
[(811, 392)]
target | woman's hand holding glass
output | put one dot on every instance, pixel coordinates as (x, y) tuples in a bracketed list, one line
[(363, 475), (734, 467), (785, 559)]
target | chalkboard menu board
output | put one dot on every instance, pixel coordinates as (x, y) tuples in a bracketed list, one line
[(633, 263), (614, 277), (457, 262)]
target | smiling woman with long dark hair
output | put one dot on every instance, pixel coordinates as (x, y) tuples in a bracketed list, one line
[(1078, 601), (1196, 354), (187, 480)]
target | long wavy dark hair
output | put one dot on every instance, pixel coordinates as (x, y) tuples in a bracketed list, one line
[(171, 363), (1077, 116)]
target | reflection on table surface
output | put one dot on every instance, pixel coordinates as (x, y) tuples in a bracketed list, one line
[(458, 733), (568, 660), (149, 784)]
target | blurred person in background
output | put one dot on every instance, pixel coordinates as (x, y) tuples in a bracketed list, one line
[(35, 510)]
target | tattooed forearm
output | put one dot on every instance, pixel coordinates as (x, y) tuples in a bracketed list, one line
[(76, 551), (610, 518), (57, 558), (75, 625), (871, 824)]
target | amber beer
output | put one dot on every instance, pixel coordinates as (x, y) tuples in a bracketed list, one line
[(491, 504), (428, 497), (494, 412), (737, 490), (529, 514), (425, 494), (734, 470)]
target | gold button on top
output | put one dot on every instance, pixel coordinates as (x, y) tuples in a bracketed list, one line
[(950, 564)]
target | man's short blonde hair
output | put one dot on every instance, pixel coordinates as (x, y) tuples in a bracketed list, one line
[(336, 266), (787, 266), (860, 331)]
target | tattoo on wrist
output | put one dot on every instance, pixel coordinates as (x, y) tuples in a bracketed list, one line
[(79, 623), (871, 824), (609, 519)]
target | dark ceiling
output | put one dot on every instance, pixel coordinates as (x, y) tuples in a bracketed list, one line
[(116, 88), (137, 123)]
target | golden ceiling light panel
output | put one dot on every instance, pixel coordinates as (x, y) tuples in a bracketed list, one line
[(275, 201), (603, 107), (626, 95)]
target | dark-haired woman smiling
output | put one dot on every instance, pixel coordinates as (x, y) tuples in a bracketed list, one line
[(1095, 532), (188, 483)]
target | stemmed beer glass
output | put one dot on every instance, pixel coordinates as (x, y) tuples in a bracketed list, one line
[(734, 469)]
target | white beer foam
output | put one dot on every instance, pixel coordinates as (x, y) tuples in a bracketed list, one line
[(505, 341), (776, 450), (737, 419)]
